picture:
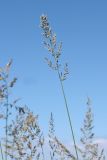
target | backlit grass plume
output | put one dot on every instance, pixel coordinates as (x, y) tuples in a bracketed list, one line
[(49, 39), (89, 150), (57, 149), (25, 137), (5, 85)]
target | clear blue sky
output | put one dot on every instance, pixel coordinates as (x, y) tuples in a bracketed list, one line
[(82, 27)]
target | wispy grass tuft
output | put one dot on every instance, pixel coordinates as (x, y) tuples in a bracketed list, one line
[(5, 85), (49, 40), (89, 150)]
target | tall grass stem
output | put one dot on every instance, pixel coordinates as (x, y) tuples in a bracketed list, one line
[(68, 114), (7, 110), (1, 150)]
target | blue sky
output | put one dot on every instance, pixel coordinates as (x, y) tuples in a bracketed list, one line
[(82, 27)]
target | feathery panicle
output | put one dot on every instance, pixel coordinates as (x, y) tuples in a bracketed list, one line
[(50, 42), (90, 149), (25, 136), (5, 85), (57, 149)]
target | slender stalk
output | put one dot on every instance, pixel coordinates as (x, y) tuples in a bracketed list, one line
[(50, 44), (43, 153), (7, 110), (68, 114), (41, 144), (1, 150)]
